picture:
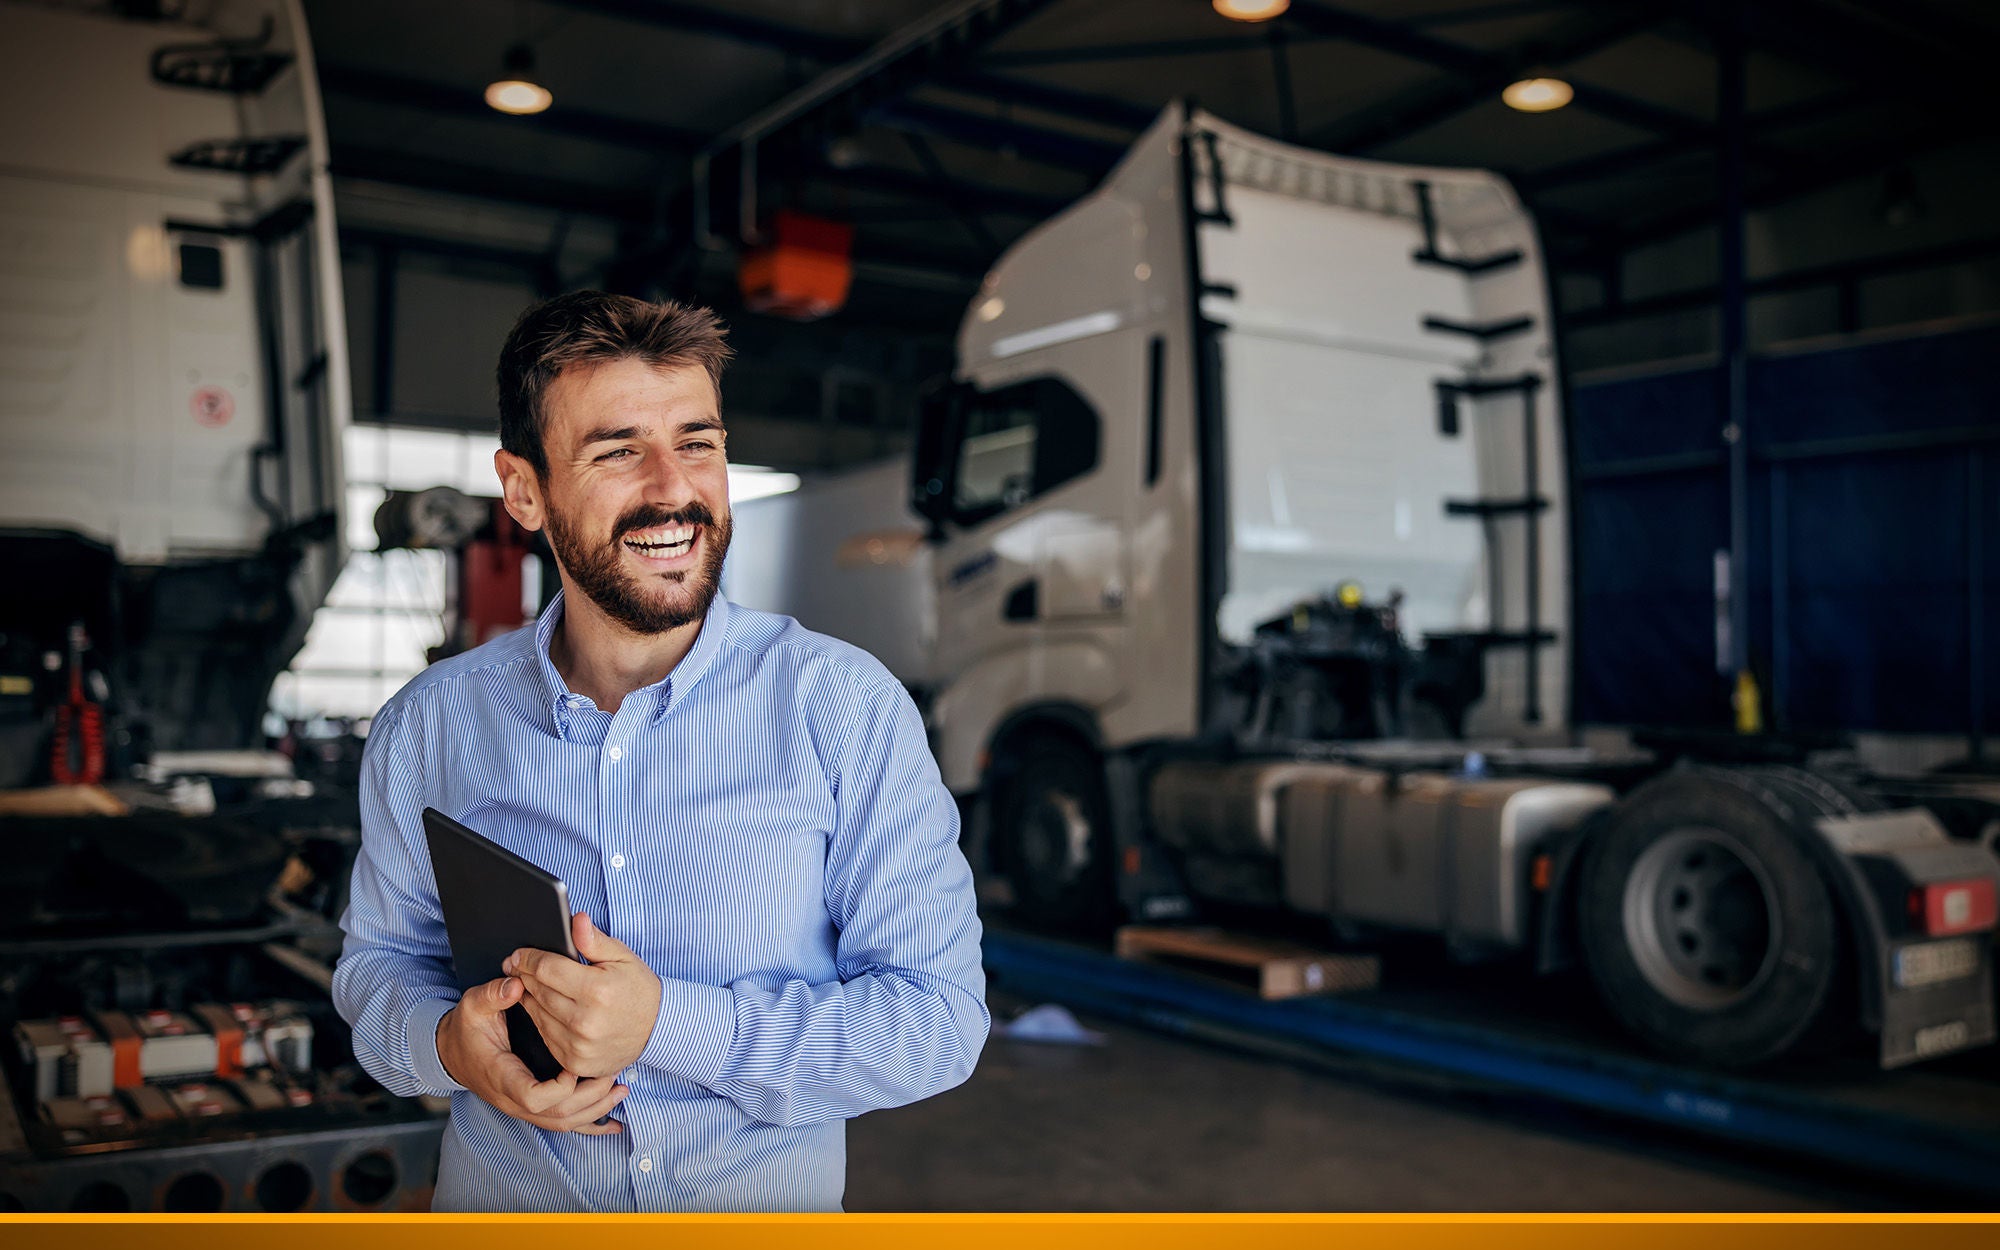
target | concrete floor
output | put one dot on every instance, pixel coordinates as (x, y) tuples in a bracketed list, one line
[(1149, 1122)]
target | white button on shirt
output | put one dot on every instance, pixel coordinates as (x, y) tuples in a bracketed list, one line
[(616, 754), (617, 861), (646, 1164)]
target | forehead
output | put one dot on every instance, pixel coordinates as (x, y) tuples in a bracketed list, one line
[(628, 392)]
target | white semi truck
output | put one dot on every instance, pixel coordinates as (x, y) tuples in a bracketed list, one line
[(173, 370), (1193, 417)]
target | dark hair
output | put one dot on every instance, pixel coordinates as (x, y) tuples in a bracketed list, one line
[(592, 327)]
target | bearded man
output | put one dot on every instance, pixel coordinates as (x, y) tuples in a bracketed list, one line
[(777, 921)]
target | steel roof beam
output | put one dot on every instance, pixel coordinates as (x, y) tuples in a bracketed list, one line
[(720, 23), (1639, 156), (1844, 166), (1476, 75), (1048, 147), (723, 23), (1950, 67), (990, 199), (379, 88), (1793, 280), (1139, 50), (424, 173)]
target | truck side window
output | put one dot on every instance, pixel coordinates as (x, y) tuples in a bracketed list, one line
[(1022, 441)]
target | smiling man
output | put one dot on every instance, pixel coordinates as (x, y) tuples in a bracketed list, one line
[(777, 924)]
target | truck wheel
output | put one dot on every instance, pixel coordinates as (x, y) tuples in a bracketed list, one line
[(1707, 927), (1056, 837)]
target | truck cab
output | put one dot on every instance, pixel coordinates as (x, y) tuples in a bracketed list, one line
[(1251, 587)]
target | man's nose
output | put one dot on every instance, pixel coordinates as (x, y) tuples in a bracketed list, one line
[(668, 482)]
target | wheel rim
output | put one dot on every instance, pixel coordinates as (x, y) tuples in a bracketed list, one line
[(1055, 839), (1701, 919)]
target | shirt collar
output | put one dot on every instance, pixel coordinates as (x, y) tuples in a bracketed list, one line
[(673, 686)]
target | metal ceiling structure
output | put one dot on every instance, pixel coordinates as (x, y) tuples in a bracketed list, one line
[(943, 130)]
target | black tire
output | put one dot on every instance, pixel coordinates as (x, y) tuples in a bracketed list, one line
[(1055, 834), (1706, 925)]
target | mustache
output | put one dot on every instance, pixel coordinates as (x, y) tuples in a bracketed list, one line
[(649, 516)]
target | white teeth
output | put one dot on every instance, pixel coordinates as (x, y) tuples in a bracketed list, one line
[(668, 541)]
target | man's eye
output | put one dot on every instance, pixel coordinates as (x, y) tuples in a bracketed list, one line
[(696, 449), (618, 453)]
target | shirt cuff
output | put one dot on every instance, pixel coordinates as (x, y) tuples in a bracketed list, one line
[(422, 1030), (692, 1036)]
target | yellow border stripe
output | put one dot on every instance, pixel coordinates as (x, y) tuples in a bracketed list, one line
[(1015, 1232)]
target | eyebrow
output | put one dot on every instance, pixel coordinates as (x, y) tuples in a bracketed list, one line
[(610, 434), (618, 433)]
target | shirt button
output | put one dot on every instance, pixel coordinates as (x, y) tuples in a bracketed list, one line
[(646, 1164), (617, 861), (616, 754)]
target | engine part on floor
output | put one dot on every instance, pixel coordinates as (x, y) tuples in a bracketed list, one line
[(149, 870), (375, 1166), (84, 1057)]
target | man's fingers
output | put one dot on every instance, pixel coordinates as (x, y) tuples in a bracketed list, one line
[(594, 944), (602, 1107), (593, 1097), (555, 1033), (492, 997), (538, 1096), (544, 968), (571, 1117), (551, 998)]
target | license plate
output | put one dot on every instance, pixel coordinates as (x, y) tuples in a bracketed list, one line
[(1933, 962)]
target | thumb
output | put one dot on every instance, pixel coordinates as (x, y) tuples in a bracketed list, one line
[(594, 944), (494, 996)]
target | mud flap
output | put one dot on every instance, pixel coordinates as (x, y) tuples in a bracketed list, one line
[(1927, 996)]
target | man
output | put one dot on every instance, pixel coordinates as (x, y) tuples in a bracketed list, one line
[(778, 925)]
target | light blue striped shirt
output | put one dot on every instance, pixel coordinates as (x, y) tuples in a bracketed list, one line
[(765, 828)]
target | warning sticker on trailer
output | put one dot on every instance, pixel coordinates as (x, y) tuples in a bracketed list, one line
[(212, 406)]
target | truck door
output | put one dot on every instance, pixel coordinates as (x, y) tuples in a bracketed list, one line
[(1032, 561)]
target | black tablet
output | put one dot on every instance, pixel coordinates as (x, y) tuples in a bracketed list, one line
[(495, 903)]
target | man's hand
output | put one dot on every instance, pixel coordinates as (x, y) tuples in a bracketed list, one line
[(472, 1042), (596, 1017)]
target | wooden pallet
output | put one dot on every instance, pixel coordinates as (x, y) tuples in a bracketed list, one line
[(1275, 969)]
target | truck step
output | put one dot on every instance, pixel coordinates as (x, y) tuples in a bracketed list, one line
[(1472, 265), (1485, 332), (256, 155), (1495, 507), (1275, 969)]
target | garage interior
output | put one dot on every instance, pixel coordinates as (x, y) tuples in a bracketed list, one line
[(1663, 565)]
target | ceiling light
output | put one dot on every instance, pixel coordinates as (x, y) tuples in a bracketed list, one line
[(1251, 10), (516, 91), (1537, 95)]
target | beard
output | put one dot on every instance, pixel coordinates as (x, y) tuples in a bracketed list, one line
[(637, 603)]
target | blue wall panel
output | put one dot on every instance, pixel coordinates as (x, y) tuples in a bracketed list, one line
[(1875, 539)]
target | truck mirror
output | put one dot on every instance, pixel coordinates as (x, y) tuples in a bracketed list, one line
[(933, 454)]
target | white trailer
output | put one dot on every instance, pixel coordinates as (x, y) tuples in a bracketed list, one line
[(843, 555), (1241, 374), (173, 360)]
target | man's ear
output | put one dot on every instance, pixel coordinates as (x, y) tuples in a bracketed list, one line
[(520, 489)]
